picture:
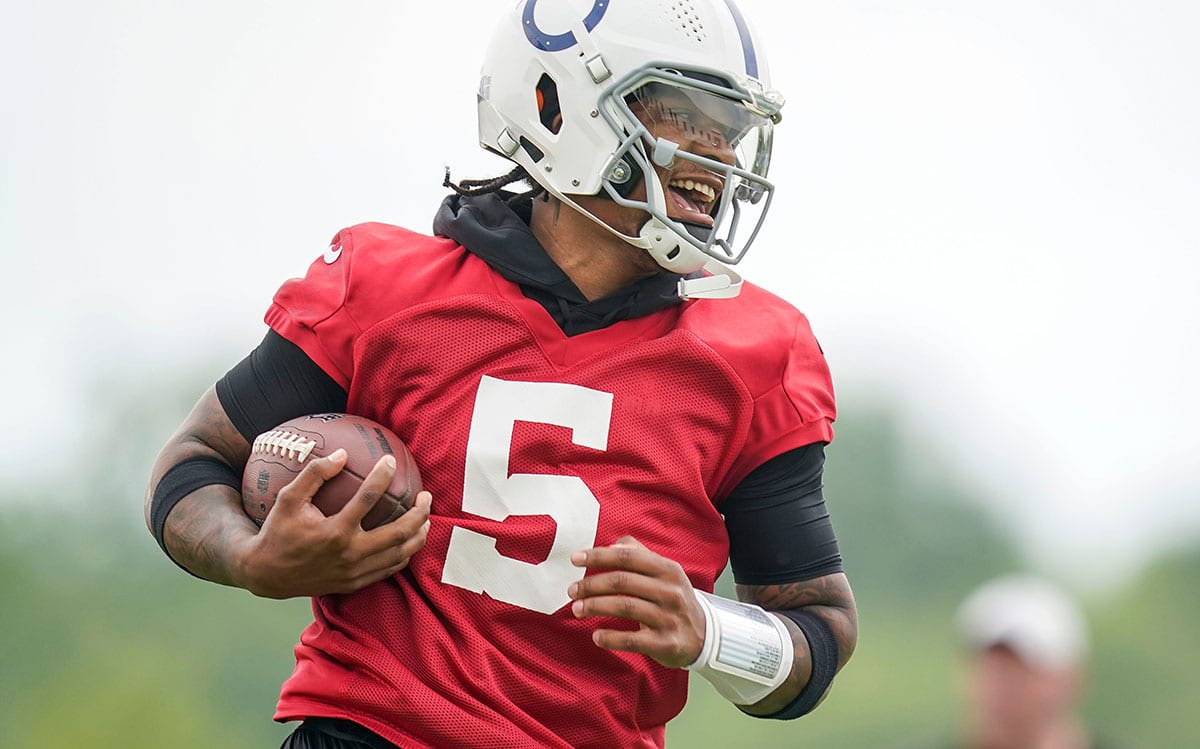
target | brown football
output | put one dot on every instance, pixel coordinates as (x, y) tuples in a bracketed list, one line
[(278, 456)]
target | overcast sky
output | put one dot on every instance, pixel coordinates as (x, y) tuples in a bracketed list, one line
[(988, 209)]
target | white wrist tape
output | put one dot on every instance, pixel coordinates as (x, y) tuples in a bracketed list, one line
[(747, 652)]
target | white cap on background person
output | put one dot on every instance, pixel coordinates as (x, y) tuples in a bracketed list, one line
[(1030, 616)]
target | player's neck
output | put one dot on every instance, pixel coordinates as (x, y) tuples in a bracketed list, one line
[(597, 262)]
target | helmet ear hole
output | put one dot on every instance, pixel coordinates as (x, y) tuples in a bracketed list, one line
[(549, 110)]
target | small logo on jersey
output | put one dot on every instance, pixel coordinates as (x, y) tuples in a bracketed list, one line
[(332, 254)]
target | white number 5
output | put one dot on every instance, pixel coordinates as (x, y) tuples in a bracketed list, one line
[(472, 561)]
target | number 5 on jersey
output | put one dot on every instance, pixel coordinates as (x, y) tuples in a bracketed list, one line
[(472, 561)]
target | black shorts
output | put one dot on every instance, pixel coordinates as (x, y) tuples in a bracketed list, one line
[(331, 733)]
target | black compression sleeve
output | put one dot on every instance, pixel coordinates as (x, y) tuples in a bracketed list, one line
[(779, 530), (276, 382)]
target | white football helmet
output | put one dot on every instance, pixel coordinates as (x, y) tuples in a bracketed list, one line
[(590, 96)]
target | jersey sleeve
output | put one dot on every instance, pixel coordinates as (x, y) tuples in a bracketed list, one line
[(795, 407), (311, 312)]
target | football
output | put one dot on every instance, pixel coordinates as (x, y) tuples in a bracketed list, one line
[(278, 456)]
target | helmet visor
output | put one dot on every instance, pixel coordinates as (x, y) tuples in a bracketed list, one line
[(688, 115)]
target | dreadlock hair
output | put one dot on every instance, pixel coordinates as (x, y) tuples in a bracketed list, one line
[(476, 187)]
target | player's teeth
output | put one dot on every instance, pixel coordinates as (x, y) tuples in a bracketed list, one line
[(700, 187)]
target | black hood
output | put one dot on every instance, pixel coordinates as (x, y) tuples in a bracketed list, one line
[(499, 234)]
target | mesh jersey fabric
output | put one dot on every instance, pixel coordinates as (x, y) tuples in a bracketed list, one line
[(653, 420)]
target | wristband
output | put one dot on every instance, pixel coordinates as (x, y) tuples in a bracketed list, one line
[(181, 480), (823, 647), (747, 652)]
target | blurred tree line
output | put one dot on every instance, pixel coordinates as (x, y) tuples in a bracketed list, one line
[(107, 644)]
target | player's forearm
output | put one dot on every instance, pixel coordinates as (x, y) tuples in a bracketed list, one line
[(829, 599), (200, 520), (206, 532)]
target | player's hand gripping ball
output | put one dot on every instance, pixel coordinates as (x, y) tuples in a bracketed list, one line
[(278, 456)]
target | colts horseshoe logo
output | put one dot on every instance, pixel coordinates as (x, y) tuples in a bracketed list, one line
[(559, 42)]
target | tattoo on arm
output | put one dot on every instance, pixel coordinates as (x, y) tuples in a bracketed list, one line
[(202, 527), (201, 539), (830, 598)]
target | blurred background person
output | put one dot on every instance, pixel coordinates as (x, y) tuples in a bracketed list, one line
[(1027, 644)]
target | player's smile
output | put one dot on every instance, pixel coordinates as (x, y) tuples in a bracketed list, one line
[(693, 195)]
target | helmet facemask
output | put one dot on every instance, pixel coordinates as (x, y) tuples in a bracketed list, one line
[(711, 144)]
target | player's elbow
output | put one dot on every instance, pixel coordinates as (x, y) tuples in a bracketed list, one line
[(847, 631)]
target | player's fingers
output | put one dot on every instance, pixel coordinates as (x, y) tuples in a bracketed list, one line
[(424, 501), (385, 572), (388, 561), (368, 578), (621, 607), (400, 551), (413, 519), (368, 494), (643, 641), (376, 573), (624, 556), (302, 488), (394, 559), (619, 582), (415, 542), (414, 523), (668, 648), (377, 576)]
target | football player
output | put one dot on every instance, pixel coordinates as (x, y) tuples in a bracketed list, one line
[(604, 413)]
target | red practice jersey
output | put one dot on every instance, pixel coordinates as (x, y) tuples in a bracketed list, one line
[(534, 445)]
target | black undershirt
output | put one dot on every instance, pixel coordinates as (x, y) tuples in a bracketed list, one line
[(779, 530)]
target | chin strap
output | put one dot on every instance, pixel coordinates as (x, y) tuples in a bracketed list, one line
[(722, 282)]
